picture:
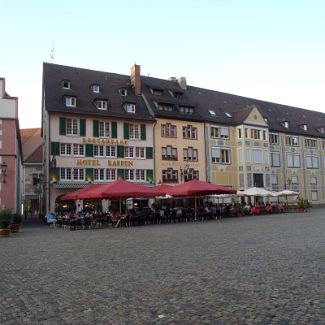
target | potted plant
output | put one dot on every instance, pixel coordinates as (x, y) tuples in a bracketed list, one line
[(302, 204), (239, 209), (15, 222), (5, 220)]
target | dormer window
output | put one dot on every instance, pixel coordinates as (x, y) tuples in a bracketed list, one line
[(95, 88), (212, 112), (123, 92), (186, 110), (304, 127), (156, 91), (165, 107), (321, 130), (66, 84), (285, 124), (70, 101), (228, 114), (129, 108), (176, 94), (101, 104)]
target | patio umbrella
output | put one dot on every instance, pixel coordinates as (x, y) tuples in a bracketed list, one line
[(288, 192), (258, 191), (75, 195)]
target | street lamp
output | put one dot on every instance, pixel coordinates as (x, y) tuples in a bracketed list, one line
[(3, 171)]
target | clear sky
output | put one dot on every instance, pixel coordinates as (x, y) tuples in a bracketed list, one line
[(272, 50)]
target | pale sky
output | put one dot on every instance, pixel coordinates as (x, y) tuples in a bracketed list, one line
[(270, 50)]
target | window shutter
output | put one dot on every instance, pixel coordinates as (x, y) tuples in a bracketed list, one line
[(89, 175), (149, 152), (149, 175), (120, 173), (62, 126), (95, 128), (143, 131), (89, 150), (120, 151), (55, 148), (126, 131), (82, 127), (114, 130)]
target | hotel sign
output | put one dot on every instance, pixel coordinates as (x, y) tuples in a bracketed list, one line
[(104, 141), (110, 163)]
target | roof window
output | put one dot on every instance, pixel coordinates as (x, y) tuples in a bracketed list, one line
[(123, 92), (95, 88), (186, 110), (66, 84), (165, 107), (212, 112), (129, 108), (304, 127), (70, 101), (228, 114), (285, 124), (321, 130), (176, 94), (101, 104), (156, 91)]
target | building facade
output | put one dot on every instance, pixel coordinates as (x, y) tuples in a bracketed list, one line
[(10, 151), (100, 126)]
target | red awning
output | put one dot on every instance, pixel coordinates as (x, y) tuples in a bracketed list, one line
[(117, 190), (75, 195), (161, 189), (198, 188)]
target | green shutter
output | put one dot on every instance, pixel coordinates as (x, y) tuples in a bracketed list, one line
[(120, 173), (149, 152), (114, 130), (120, 151), (82, 127), (95, 128), (149, 175), (143, 131), (89, 150), (54, 174), (126, 131), (62, 126), (55, 148), (89, 175)]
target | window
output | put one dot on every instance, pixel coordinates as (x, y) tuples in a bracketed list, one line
[(274, 180), (70, 101), (293, 160), (312, 162), (110, 174), (168, 131), (190, 174), (104, 129), (264, 135), (294, 179), (273, 138), (65, 149), (111, 151), (292, 141), (228, 114), (220, 155), (168, 153), (170, 175), (257, 156), (275, 159), (239, 133), (165, 107), (101, 104), (78, 149), (123, 92), (314, 196), (189, 132), (311, 143), (66, 84), (186, 110), (190, 154), (128, 152), (139, 152), (304, 127), (99, 174), (313, 180), (99, 151), (321, 130), (285, 124), (140, 175), (219, 132), (156, 91), (134, 132), (255, 134), (177, 94), (212, 112), (129, 174), (72, 127), (72, 174), (129, 108), (95, 88)]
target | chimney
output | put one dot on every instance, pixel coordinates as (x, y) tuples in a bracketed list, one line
[(136, 79), (182, 82)]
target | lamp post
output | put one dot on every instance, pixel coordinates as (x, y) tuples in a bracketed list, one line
[(289, 183), (4, 171)]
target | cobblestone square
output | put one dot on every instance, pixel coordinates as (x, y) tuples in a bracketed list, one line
[(250, 270)]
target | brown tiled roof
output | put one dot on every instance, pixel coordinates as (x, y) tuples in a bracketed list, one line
[(30, 140), (36, 157), (81, 80)]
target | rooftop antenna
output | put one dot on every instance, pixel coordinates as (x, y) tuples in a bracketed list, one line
[(52, 53)]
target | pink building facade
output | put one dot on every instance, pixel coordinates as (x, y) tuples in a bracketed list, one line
[(10, 152)]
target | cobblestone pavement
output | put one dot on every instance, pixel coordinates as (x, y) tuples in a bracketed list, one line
[(251, 270)]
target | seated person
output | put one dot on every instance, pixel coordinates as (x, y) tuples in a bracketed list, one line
[(50, 219)]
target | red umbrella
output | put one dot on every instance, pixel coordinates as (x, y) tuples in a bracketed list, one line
[(161, 189), (75, 195), (198, 188), (119, 189)]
